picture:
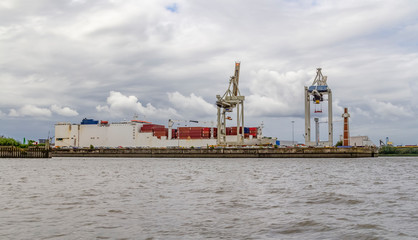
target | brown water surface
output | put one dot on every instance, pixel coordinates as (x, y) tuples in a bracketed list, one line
[(86, 198)]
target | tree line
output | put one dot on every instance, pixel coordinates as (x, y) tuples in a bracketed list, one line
[(12, 142), (390, 150)]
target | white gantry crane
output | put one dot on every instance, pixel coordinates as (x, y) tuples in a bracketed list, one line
[(315, 93), (230, 100)]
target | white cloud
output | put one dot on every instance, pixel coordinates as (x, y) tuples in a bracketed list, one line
[(361, 112), (100, 108), (276, 94), (192, 106), (77, 2), (13, 113), (388, 110), (6, 4), (64, 111), (31, 111), (122, 105)]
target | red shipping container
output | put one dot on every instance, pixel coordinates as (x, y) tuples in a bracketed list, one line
[(234, 129), (228, 131), (151, 127)]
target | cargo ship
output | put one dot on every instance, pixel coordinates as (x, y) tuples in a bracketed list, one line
[(144, 134)]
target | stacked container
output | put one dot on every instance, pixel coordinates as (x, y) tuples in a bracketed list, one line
[(151, 127), (229, 131), (234, 131), (189, 132), (205, 133), (155, 129), (253, 131), (248, 131), (159, 132)]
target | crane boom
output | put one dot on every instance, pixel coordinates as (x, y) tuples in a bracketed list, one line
[(235, 79)]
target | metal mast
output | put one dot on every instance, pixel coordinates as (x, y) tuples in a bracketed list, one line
[(315, 93), (231, 99)]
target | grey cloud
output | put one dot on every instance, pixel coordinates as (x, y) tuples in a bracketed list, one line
[(73, 53)]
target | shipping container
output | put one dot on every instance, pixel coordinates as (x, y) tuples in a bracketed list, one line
[(234, 130), (228, 131), (321, 88), (196, 128), (86, 121), (151, 127), (159, 132)]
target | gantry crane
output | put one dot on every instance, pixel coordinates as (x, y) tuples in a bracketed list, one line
[(231, 99), (315, 93)]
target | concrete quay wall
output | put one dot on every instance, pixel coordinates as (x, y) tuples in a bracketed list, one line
[(354, 152), (31, 152)]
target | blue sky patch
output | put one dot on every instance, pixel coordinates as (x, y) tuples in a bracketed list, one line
[(172, 8)]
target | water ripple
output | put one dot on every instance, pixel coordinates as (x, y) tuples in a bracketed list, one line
[(76, 198)]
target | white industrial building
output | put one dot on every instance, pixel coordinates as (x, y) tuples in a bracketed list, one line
[(361, 141)]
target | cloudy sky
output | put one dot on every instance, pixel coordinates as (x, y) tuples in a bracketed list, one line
[(62, 61)]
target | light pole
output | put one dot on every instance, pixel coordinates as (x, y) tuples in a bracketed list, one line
[(178, 136), (293, 133)]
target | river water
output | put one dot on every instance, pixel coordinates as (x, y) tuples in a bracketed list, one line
[(105, 198)]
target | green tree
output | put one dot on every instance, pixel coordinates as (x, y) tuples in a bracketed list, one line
[(389, 150), (9, 142)]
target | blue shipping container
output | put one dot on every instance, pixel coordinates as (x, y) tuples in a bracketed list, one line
[(277, 142), (318, 88), (89, 121)]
